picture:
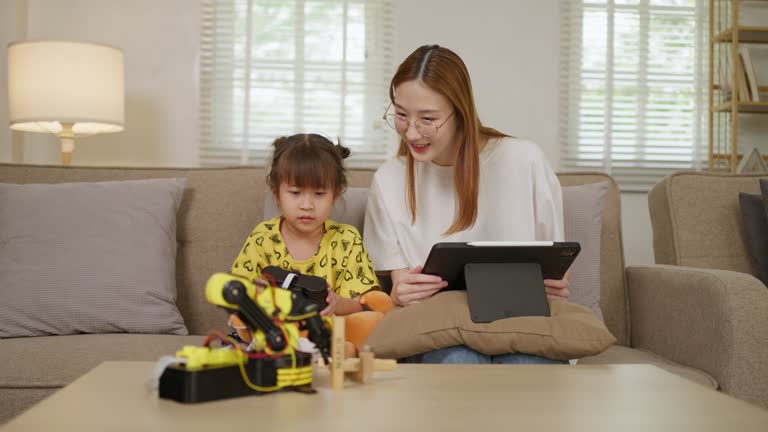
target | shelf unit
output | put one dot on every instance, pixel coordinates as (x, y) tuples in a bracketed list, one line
[(726, 36)]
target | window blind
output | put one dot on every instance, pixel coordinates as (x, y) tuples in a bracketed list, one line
[(633, 88), (270, 68)]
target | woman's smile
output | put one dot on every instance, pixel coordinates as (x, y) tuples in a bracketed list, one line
[(419, 148)]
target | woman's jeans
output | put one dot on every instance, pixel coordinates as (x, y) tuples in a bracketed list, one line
[(464, 355)]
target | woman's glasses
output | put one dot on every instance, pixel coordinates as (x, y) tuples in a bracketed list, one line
[(425, 127)]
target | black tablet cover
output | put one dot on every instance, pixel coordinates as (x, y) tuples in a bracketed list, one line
[(502, 279)]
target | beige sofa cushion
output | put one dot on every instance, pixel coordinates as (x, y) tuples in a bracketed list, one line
[(572, 331)]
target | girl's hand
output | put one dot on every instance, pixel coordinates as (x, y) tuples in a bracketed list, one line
[(260, 284), (557, 289), (338, 305), (333, 300), (411, 286)]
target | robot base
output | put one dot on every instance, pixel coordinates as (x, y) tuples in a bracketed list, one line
[(215, 383)]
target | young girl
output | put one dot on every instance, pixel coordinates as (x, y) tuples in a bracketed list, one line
[(453, 180), (306, 177)]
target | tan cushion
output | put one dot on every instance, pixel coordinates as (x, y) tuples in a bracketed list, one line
[(94, 257), (572, 331)]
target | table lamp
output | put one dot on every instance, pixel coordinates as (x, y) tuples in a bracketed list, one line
[(69, 89)]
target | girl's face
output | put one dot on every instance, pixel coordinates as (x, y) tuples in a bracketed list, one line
[(305, 209), (426, 121)]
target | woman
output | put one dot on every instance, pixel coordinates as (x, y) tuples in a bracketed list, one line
[(453, 179)]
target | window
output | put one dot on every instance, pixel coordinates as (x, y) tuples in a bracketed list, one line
[(633, 88), (277, 67)]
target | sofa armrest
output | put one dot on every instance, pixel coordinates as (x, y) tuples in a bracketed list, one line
[(713, 320)]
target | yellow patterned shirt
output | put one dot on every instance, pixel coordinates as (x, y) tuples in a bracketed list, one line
[(341, 258)]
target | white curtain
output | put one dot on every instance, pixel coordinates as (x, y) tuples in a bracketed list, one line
[(277, 67), (633, 88)]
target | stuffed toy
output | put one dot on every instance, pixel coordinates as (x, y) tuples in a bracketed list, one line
[(358, 326)]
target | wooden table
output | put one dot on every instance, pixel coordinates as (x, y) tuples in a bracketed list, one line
[(559, 398)]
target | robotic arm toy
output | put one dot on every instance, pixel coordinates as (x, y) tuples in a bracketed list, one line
[(274, 316)]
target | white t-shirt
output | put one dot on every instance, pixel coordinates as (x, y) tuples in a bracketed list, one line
[(519, 200)]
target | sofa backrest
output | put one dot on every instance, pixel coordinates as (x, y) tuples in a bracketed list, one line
[(697, 220), (219, 209), (222, 205)]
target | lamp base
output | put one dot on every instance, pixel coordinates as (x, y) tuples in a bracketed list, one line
[(67, 138)]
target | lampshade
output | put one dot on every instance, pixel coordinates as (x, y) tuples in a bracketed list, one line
[(54, 83)]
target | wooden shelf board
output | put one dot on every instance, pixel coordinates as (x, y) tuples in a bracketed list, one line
[(758, 35), (727, 156), (743, 107), (759, 88)]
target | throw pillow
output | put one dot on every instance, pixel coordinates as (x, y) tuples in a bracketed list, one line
[(349, 208), (443, 320), (754, 208), (583, 214), (755, 222), (89, 258)]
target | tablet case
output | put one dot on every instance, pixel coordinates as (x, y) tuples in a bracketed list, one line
[(502, 280), (504, 290)]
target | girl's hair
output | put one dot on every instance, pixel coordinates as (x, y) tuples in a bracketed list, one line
[(443, 71), (308, 160)]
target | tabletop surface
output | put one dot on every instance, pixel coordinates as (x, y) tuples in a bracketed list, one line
[(116, 396)]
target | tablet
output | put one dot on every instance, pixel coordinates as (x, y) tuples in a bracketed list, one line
[(447, 260), (502, 279)]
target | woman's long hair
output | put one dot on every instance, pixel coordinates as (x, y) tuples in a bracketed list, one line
[(443, 71)]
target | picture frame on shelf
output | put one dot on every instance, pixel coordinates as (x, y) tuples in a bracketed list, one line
[(752, 162)]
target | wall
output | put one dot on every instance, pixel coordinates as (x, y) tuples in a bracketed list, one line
[(160, 42), (511, 48), (11, 28)]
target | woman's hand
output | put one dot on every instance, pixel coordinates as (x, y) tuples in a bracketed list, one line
[(557, 289), (411, 286)]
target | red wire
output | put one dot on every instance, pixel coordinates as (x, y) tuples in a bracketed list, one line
[(269, 278), (221, 336)]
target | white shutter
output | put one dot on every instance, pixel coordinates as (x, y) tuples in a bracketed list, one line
[(270, 68), (633, 88)]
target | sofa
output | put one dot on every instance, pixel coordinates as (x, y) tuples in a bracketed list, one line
[(645, 307), (704, 285)]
